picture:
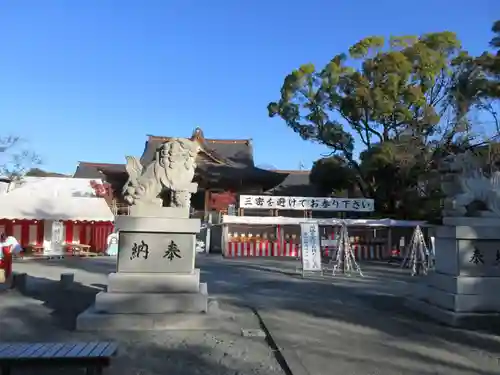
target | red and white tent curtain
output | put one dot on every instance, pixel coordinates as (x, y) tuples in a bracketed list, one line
[(33, 232)]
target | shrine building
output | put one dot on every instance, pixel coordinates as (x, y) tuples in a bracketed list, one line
[(225, 170)]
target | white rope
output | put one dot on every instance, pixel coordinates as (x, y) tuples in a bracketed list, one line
[(418, 253), (345, 259)]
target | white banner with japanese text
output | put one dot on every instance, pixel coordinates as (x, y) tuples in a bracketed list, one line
[(55, 247), (306, 203), (311, 251)]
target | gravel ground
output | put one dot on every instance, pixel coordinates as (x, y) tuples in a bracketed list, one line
[(47, 314)]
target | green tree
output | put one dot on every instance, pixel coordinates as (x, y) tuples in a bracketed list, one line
[(37, 172), (395, 171), (332, 175), (476, 87), (491, 62), (392, 96)]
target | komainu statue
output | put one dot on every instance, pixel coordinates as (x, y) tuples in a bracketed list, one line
[(465, 183), (167, 180)]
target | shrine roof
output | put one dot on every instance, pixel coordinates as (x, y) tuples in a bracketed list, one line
[(233, 152), (296, 183), (97, 170), (222, 159)]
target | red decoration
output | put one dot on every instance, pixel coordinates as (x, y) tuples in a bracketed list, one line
[(221, 201), (102, 190)]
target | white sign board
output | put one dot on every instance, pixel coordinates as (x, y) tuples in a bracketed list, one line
[(112, 242), (56, 239), (306, 203), (311, 250)]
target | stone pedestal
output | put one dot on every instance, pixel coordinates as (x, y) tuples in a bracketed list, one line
[(156, 285), (463, 288)]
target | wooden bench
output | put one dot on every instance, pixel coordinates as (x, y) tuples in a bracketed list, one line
[(36, 249), (77, 248), (92, 356)]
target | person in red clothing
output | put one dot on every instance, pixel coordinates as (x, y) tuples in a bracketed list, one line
[(2, 240), (2, 272), (6, 256)]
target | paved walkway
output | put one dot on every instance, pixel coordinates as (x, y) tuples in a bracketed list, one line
[(329, 325), (354, 340), (47, 313), (352, 325)]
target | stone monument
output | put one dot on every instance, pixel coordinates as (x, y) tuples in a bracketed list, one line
[(462, 289), (156, 285)]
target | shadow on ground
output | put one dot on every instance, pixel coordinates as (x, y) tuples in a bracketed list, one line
[(139, 352), (345, 310), (46, 313)]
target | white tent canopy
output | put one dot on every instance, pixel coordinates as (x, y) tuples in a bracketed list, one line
[(281, 220), (54, 198)]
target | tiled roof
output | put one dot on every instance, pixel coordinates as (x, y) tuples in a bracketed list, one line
[(225, 159), (296, 183), (94, 170), (239, 152)]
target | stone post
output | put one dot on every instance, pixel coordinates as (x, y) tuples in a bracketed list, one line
[(66, 280), (19, 281)]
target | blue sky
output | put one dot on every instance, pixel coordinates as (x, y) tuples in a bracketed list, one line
[(88, 79)]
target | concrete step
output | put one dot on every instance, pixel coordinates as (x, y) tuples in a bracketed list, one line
[(150, 303), (91, 320)]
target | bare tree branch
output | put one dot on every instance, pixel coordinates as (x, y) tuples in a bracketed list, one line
[(15, 160)]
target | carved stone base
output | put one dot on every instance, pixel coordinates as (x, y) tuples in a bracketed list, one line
[(465, 221), (453, 318), (138, 307), (156, 285), (150, 303), (462, 289), (461, 294), (92, 321), (122, 282), (156, 244), (156, 252)]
